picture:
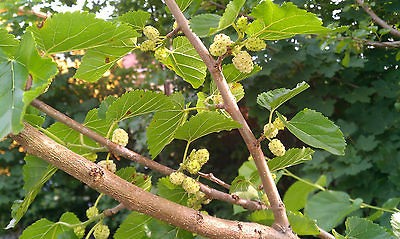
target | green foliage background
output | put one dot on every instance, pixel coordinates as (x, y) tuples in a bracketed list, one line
[(355, 86)]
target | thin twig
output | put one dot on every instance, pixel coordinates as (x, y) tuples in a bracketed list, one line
[(128, 154), (278, 208), (211, 177), (377, 19), (112, 211), (324, 234)]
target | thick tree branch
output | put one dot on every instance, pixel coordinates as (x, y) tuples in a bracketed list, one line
[(128, 154), (133, 197), (277, 206), (377, 19)]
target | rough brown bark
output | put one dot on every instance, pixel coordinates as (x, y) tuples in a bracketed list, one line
[(134, 198)]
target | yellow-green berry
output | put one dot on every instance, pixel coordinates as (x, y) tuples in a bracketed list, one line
[(193, 166), (91, 156), (243, 62), (176, 178), (241, 23), (120, 137), (151, 32), (148, 45), (255, 44), (101, 232), (92, 212), (200, 195), (276, 147), (79, 231), (217, 49), (223, 39), (108, 164), (161, 53), (190, 185), (279, 124), (270, 131), (202, 156)]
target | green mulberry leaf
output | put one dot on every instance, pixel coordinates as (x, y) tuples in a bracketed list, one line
[(301, 224), (274, 22), (361, 228), (36, 173), (45, 229), (292, 157), (329, 208), (186, 62), (272, 99), (133, 227), (201, 24), (228, 18), (136, 19), (17, 64), (105, 42), (316, 130), (203, 124)]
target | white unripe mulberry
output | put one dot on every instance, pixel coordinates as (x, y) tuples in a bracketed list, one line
[(276, 147), (202, 156), (190, 185), (255, 44), (148, 45), (279, 124), (220, 44), (177, 178), (92, 212), (270, 131), (108, 164), (101, 232), (161, 53), (120, 137), (151, 32), (243, 62), (242, 23)]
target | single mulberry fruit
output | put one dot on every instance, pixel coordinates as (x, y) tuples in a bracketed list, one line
[(101, 232), (151, 32), (270, 131), (243, 62), (255, 44), (276, 147), (190, 185), (120, 137), (176, 178)]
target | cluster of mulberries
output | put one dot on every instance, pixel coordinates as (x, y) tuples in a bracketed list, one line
[(270, 131), (255, 44), (161, 53), (195, 160), (220, 45), (152, 35), (190, 185)]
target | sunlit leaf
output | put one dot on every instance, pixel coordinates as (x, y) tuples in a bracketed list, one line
[(136, 19), (274, 22), (232, 74), (292, 157), (133, 227), (231, 12), (274, 98), (45, 229), (36, 173), (186, 62), (105, 42), (14, 73), (203, 124)]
